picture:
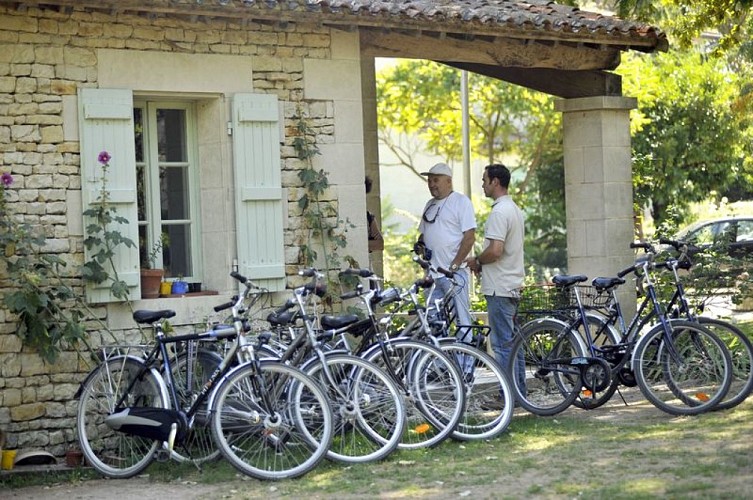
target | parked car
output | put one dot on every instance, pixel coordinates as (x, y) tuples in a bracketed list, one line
[(735, 234)]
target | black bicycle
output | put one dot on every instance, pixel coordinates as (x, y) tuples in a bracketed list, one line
[(680, 366), (271, 421)]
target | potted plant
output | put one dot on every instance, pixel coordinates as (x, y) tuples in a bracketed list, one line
[(179, 287), (151, 278)]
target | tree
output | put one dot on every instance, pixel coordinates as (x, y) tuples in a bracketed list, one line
[(690, 132), (686, 20)]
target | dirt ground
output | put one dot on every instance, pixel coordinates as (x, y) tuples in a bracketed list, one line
[(141, 488)]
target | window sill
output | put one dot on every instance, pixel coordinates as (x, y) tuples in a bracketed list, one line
[(189, 294)]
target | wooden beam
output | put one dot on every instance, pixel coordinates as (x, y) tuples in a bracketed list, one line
[(507, 52), (566, 84)]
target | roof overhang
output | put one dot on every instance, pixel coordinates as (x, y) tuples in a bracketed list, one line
[(554, 48)]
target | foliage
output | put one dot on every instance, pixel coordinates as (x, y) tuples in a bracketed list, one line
[(423, 98), (50, 315), (686, 20), (327, 233), (690, 133), (508, 122), (155, 251), (104, 238)]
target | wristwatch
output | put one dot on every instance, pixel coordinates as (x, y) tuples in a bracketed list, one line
[(454, 267)]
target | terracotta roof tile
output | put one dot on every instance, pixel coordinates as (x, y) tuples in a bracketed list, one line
[(478, 17), (508, 14)]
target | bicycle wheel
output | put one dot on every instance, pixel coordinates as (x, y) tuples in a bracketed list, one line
[(741, 352), (431, 384), (270, 421), (605, 342), (685, 374), (190, 373), (489, 399), (112, 453), (367, 407), (552, 382)]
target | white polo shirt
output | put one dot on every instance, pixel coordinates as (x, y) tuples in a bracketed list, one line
[(506, 224), (452, 216)]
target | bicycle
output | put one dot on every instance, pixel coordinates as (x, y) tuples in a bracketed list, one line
[(739, 345), (430, 381), (269, 420), (369, 411), (489, 397), (680, 367)]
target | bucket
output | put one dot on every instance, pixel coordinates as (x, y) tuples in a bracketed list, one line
[(9, 458)]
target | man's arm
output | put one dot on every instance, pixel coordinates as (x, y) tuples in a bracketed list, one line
[(491, 253), (466, 244)]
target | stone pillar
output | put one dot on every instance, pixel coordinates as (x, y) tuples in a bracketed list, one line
[(371, 151), (598, 186)]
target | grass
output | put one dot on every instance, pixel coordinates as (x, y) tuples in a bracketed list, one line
[(606, 453), (614, 452)]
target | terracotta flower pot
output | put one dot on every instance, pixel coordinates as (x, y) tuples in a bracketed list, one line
[(150, 282), (74, 458)]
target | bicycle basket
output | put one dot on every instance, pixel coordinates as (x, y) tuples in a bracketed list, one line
[(550, 299), (542, 299)]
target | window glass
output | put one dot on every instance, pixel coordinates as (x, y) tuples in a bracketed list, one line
[(174, 199), (702, 236), (138, 133), (163, 133), (177, 251), (745, 230), (171, 133)]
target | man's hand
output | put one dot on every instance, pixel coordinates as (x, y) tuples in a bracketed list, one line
[(473, 264)]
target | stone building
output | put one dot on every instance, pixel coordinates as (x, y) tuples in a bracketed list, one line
[(198, 103)]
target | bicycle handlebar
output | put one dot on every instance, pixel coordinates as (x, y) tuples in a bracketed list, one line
[(646, 246), (425, 265), (447, 273), (363, 273)]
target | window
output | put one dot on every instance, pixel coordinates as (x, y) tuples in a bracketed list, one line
[(165, 138), (155, 183)]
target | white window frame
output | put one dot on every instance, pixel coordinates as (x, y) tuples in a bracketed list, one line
[(153, 214)]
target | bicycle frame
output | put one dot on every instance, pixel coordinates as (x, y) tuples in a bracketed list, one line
[(159, 356)]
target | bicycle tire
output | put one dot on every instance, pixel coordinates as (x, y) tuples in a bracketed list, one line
[(112, 453), (552, 382), (432, 385), (198, 445), (485, 383), (741, 352), (689, 383), (367, 406), (282, 434)]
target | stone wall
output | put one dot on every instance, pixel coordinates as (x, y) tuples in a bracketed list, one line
[(45, 55)]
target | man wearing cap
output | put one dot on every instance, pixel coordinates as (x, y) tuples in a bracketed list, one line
[(447, 230)]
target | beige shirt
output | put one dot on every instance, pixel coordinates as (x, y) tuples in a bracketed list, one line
[(505, 223)]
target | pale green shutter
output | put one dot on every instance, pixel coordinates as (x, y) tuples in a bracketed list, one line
[(106, 124), (258, 193)]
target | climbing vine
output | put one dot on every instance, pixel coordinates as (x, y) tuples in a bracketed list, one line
[(327, 232)]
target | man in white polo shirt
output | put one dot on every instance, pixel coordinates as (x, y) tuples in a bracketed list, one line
[(501, 263), (447, 229)]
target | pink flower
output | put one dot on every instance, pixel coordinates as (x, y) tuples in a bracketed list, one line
[(104, 158), (6, 179)]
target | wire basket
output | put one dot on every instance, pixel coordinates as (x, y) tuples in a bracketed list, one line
[(551, 299)]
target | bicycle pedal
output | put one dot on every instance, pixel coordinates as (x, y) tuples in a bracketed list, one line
[(162, 455)]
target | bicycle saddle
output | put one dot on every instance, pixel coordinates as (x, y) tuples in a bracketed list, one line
[(568, 279)]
